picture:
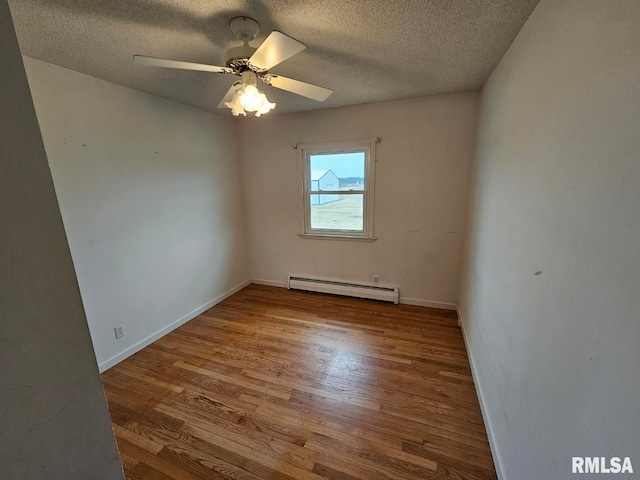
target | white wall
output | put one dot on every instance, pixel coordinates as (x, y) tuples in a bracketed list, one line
[(150, 197), (422, 179), (54, 422), (552, 274)]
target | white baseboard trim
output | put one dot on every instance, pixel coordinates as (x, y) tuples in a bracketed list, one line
[(107, 364), (428, 303), (497, 461), (270, 283)]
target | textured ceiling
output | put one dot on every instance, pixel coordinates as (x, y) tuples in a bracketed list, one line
[(364, 50)]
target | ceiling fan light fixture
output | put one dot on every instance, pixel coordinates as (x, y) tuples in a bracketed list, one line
[(267, 106), (236, 105), (247, 98), (251, 98)]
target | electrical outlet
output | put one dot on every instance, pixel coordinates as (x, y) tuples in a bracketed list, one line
[(119, 331), (375, 278)]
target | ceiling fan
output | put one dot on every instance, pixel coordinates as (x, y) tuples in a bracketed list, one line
[(249, 64)]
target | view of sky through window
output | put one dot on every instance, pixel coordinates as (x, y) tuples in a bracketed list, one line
[(343, 165)]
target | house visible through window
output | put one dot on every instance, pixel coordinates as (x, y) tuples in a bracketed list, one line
[(338, 189)]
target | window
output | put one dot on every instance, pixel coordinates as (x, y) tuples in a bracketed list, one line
[(338, 181)]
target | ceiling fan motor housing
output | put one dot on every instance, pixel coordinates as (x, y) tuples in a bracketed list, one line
[(241, 52)]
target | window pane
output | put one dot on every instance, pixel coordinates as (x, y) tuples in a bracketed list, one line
[(337, 171), (337, 212)]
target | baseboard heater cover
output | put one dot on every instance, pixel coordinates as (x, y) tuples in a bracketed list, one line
[(336, 287)]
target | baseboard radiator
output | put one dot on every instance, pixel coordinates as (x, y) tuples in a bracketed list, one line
[(361, 290)]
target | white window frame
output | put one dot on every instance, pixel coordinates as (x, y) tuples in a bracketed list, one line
[(368, 146)]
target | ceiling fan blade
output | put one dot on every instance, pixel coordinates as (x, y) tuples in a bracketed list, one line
[(160, 62), (228, 96), (276, 48), (314, 92)]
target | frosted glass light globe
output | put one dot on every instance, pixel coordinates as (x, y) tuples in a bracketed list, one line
[(251, 99)]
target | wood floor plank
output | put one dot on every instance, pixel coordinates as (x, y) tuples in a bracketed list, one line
[(254, 439), (142, 471), (237, 380), (331, 474), (140, 441), (173, 469), (128, 463), (222, 417), (284, 385), (206, 466), (140, 374), (339, 421), (272, 458)]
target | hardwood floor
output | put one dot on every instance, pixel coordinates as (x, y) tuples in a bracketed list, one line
[(277, 384)]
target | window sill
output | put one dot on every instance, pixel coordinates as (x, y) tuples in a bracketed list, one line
[(334, 236)]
